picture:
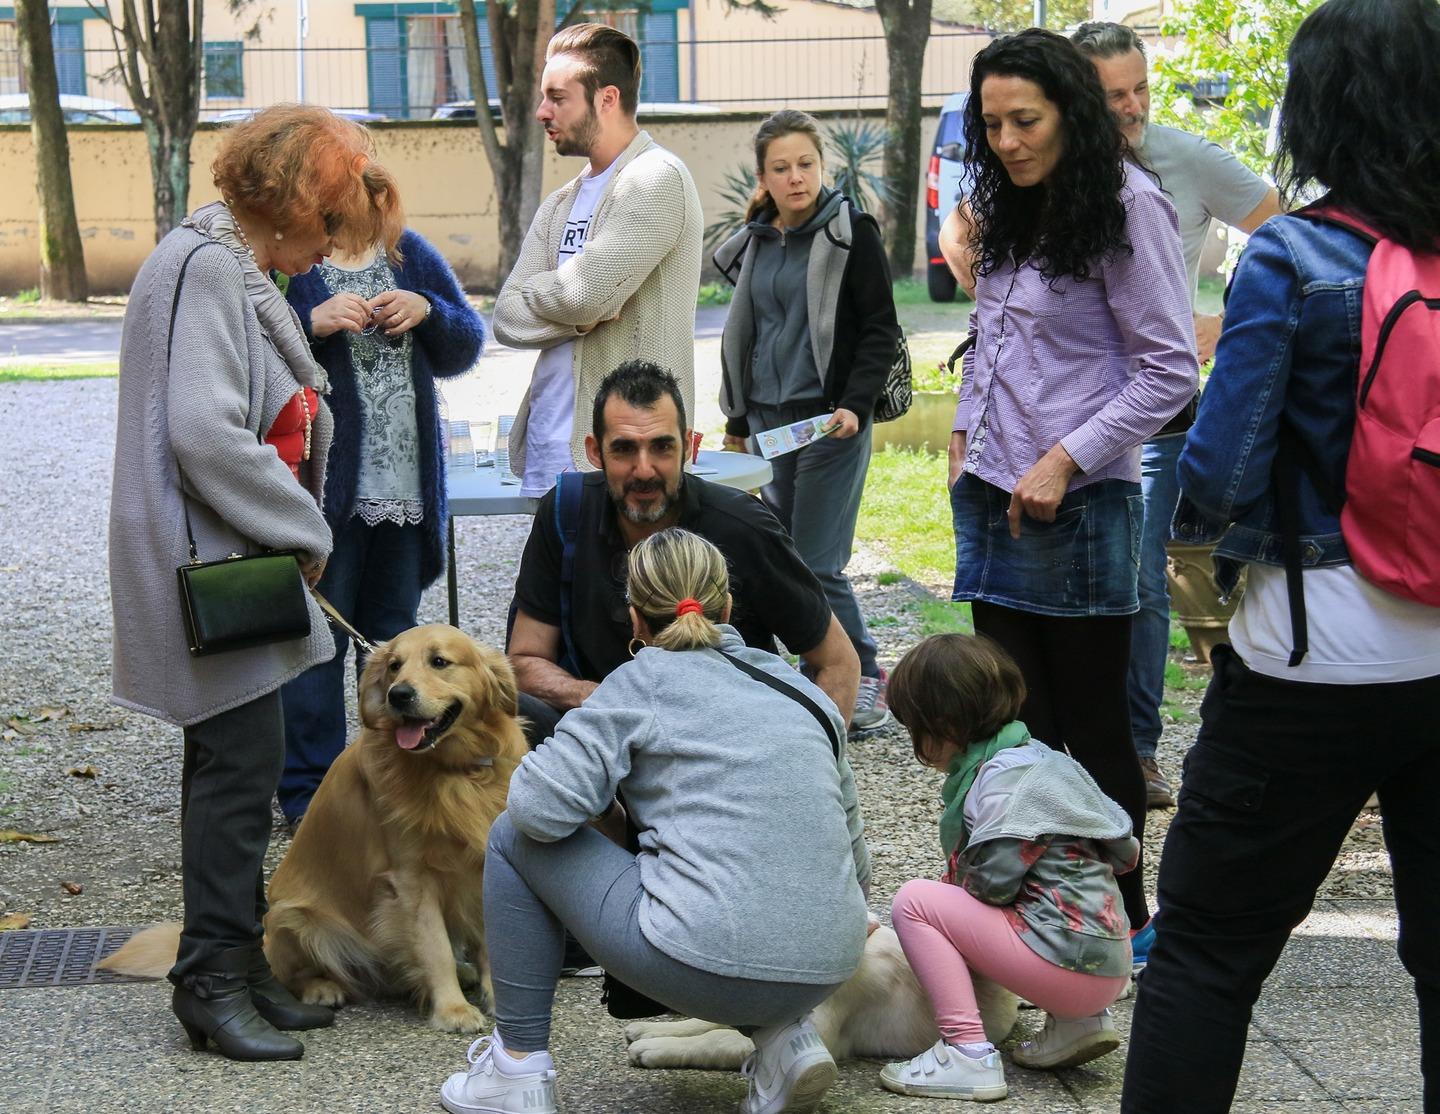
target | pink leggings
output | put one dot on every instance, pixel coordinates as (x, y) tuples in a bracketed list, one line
[(945, 932)]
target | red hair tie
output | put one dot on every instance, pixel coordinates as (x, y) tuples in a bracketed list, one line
[(688, 606)]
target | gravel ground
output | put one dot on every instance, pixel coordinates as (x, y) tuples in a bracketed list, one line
[(105, 782)]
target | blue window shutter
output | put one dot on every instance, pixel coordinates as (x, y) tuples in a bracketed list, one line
[(385, 66), (660, 57), (492, 84), (68, 39)]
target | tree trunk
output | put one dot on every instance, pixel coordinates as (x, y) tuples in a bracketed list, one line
[(62, 259), (175, 88), (518, 36), (907, 30), (169, 174)]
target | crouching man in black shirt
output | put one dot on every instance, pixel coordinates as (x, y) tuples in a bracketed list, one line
[(639, 444)]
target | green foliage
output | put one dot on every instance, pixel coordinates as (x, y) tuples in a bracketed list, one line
[(715, 294), (889, 577), (735, 191), (856, 151), (1244, 41), (28, 297), (1016, 15)]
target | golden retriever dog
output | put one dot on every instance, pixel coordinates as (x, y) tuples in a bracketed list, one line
[(880, 1013), (380, 892)]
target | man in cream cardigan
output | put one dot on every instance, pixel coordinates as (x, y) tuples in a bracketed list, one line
[(610, 267)]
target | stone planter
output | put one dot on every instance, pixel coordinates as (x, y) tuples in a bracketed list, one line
[(926, 425), (1193, 597)]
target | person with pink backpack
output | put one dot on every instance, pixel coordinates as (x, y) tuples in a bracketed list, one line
[(1315, 463)]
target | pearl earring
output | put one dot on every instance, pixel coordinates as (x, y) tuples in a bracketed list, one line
[(279, 235)]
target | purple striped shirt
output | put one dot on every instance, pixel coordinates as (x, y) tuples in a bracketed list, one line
[(1097, 366)]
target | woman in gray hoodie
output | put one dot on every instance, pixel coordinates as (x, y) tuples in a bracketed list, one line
[(811, 331), (746, 902)]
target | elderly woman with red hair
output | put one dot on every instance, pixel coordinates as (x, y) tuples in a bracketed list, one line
[(222, 435)]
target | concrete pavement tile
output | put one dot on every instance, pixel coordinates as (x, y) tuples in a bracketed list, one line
[(180, 1080), (1302, 1107), (1340, 961), (1267, 1076), (1379, 1015), (1361, 1106), (1362, 1070)]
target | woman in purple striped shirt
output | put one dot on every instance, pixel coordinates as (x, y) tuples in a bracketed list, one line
[(1084, 347)]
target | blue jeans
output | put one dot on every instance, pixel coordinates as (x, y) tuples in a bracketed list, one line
[(1150, 635), (373, 579)]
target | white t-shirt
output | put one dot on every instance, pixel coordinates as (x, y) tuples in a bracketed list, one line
[(552, 385), (1358, 634)]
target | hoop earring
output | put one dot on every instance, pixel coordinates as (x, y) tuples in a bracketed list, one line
[(634, 649)]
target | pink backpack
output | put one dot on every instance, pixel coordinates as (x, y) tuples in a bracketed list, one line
[(1390, 509)]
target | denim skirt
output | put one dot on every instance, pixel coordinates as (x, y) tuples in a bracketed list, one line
[(1086, 562)]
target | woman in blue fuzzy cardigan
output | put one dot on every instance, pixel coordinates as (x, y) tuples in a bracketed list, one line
[(384, 330)]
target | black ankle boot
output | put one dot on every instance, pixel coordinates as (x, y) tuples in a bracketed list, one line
[(215, 1004), (274, 1002)]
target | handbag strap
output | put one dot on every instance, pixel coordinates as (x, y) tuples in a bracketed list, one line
[(793, 693), (169, 345)]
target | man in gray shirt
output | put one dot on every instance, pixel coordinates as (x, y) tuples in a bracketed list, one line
[(1204, 182)]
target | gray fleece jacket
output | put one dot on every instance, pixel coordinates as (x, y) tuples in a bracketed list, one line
[(752, 852)]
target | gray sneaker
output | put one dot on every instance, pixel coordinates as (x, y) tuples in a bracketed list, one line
[(871, 711)]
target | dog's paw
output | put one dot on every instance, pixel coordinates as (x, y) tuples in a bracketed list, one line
[(653, 1052), (639, 1030), (322, 992), (458, 1017)]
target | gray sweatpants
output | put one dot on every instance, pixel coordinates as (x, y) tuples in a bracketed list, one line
[(534, 891)]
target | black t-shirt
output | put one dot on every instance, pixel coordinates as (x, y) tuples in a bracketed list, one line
[(775, 594)]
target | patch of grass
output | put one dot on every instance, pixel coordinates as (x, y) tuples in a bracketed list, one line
[(36, 373), (1177, 713), (28, 297), (1179, 636), (715, 294), (889, 577), (883, 621), (906, 514), (944, 617), (1180, 679)]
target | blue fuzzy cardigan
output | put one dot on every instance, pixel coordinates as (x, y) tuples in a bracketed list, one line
[(447, 343)]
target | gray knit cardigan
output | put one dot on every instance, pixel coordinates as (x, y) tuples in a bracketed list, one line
[(226, 384)]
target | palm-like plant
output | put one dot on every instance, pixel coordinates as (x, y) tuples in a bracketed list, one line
[(735, 193), (858, 147)]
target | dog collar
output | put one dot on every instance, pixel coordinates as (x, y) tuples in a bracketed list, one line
[(478, 764)]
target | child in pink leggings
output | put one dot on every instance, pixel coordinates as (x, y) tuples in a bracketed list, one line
[(1029, 897)]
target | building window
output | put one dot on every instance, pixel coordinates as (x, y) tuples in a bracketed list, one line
[(224, 70), (12, 79), (67, 40)]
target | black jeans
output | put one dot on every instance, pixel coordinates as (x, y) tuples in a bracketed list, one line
[(232, 765), (1276, 778), (1077, 699)]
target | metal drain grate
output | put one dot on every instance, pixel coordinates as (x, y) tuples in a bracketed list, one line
[(60, 957)]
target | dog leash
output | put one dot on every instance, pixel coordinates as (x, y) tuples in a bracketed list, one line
[(362, 644)]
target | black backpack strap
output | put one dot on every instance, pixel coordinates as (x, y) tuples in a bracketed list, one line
[(568, 488), (793, 693), (1287, 493)]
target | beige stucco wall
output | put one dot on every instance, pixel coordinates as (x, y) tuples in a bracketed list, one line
[(444, 179)]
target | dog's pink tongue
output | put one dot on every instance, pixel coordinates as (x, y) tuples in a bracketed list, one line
[(408, 735)]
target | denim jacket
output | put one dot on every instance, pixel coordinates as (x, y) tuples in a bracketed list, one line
[(1290, 349)]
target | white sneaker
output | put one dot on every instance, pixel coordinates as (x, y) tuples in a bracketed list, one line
[(871, 708), (498, 1084), (943, 1072), (1064, 1044), (790, 1069)]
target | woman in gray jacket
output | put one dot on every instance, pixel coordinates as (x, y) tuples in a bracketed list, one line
[(811, 331), (214, 368), (746, 903)]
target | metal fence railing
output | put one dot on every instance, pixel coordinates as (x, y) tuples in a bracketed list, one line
[(407, 76)]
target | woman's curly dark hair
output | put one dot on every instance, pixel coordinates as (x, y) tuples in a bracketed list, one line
[(1076, 217), (1357, 119)]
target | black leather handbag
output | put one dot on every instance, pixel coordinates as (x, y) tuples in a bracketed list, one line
[(241, 600)]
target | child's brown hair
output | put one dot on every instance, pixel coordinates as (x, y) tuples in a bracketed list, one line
[(957, 688)]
